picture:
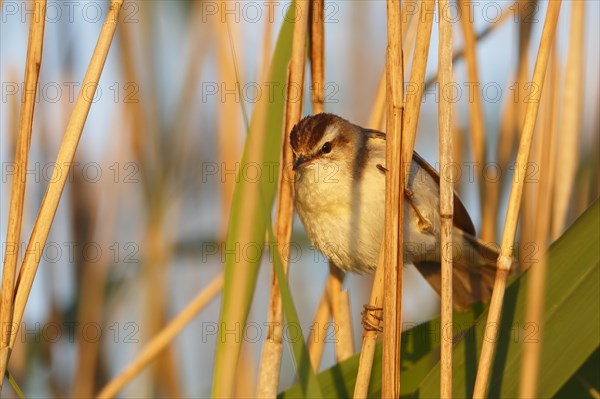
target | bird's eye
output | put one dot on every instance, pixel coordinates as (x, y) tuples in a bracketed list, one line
[(326, 149)]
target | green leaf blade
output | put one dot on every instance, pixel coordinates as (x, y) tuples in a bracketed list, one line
[(249, 217)]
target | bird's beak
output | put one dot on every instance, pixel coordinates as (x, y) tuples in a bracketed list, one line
[(299, 162)]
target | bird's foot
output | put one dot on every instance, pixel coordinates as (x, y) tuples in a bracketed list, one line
[(424, 224), (371, 318)]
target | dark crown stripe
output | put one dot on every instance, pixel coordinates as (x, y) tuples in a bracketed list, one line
[(310, 130)]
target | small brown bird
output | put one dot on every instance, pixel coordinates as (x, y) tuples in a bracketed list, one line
[(340, 198)]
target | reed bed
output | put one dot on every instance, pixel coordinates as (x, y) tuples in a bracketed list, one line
[(505, 258), (546, 151), (64, 160), (174, 135)]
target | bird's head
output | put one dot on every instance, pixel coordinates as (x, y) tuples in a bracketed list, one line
[(323, 139)]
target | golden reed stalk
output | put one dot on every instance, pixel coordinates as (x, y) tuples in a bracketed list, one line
[(417, 77), (373, 316), (476, 116), (446, 191), (570, 122), (394, 205), (537, 283), (335, 301), (514, 202), (17, 197), (163, 339)]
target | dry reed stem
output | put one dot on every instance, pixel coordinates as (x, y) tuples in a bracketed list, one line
[(63, 162), (536, 287), (140, 127), (163, 339), (408, 7), (317, 53), (144, 139), (514, 202), (229, 119), (266, 53), (13, 111), (181, 148), (340, 311), (593, 392), (416, 84), (446, 191), (270, 363), (369, 341), (458, 147), (476, 116), (409, 32), (527, 216), (489, 221), (377, 116), (245, 385), (376, 301), (151, 138), (93, 282), (458, 142), (317, 68), (459, 54), (343, 319), (531, 214), (158, 251), (543, 224), (19, 182), (144, 146), (570, 122), (525, 29), (334, 302), (337, 304), (394, 206), (176, 155), (322, 315), (511, 123)]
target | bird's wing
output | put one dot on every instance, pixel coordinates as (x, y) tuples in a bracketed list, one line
[(375, 134), (461, 219)]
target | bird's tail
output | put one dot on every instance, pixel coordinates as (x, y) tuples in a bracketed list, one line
[(474, 270)]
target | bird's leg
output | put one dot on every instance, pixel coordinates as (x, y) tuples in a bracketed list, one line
[(424, 224), (374, 313)]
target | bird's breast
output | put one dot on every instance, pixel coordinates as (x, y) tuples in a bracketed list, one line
[(344, 217)]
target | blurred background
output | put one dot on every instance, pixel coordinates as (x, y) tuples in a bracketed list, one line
[(139, 228)]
